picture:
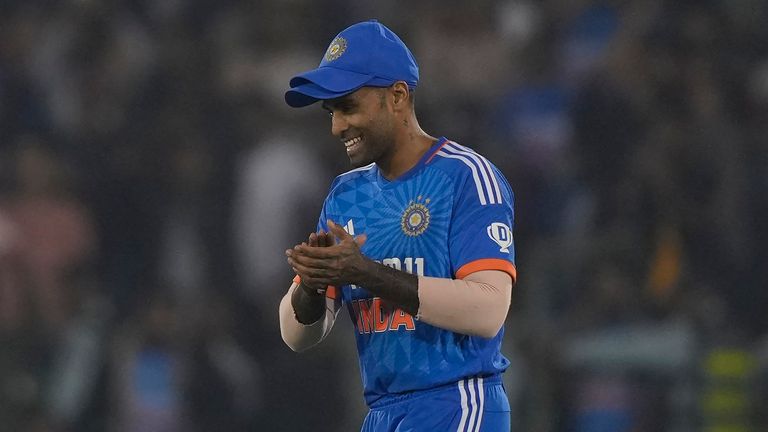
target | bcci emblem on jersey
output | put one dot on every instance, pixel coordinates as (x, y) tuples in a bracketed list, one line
[(415, 218), (501, 234)]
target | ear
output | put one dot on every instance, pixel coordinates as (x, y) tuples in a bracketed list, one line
[(401, 95)]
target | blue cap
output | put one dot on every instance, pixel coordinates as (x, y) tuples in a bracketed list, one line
[(364, 54)]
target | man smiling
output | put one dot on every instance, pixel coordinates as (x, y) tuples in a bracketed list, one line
[(416, 241)]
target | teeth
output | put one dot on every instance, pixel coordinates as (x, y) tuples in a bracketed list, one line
[(353, 141)]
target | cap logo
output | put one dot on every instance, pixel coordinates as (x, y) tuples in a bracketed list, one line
[(337, 48)]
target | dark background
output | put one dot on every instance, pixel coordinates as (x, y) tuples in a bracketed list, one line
[(151, 177)]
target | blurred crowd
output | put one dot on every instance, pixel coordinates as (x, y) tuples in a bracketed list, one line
[(151, 177)]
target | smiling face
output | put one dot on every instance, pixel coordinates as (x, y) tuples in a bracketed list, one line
[(364, 122)]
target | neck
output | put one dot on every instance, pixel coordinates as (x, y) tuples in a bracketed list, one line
[(411, 142)]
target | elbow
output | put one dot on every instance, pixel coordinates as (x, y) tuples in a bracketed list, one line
[(296, 345), (298, 337), (485, 327), (292, 344), (296, 348), (492, 323), (489, 330)]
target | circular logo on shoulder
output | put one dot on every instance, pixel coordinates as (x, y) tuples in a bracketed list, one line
[(337, 48), (415, 219)]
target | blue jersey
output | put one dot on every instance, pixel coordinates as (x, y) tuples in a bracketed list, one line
[(449, 216)]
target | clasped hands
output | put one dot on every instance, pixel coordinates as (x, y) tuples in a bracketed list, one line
[(328, 258)]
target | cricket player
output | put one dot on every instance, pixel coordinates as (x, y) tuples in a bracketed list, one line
[(415, 241)]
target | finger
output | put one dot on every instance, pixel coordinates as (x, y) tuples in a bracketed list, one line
[(327, 252), (294, 250), (321, 239), (361, 239), (317, 263), (313, 239), (330, 240), (314, 273), (338, 231)]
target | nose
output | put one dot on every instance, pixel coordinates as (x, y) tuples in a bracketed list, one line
[(338, 124)]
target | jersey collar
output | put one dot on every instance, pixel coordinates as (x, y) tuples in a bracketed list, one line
[(424, 160)]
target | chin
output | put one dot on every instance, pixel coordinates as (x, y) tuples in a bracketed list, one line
[(357, 162)]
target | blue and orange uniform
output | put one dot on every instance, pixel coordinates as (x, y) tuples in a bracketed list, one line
[(449, 216)]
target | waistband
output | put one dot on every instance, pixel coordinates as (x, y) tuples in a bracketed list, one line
[(398, 398)]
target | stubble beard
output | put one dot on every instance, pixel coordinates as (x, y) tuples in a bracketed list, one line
[(375, 150)]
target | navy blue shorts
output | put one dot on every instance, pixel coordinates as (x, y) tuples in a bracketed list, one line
[(471, 405)]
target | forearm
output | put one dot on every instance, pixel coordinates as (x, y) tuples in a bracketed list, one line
[(393, 285), (308, 308), (476, 305), (296, 335)]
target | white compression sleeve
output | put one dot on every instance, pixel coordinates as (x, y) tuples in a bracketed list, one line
[(476, 305), (298, 336)]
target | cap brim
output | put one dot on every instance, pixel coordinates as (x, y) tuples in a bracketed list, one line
[(331, 79), (323, 83), (309, 93)]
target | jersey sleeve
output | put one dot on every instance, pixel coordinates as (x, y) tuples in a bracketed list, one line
[(480, 236)]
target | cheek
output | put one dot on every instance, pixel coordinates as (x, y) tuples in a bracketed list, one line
[(381, 123)]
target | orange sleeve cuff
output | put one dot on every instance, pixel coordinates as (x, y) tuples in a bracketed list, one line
[(487, 264), (331, 292)]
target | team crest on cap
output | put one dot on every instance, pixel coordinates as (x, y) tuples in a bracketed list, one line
[(337, 48), (415, 219)]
